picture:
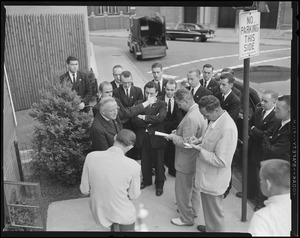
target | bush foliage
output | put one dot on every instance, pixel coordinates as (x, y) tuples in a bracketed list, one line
[(61, 138)]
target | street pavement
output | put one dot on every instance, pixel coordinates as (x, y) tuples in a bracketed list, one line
[(75, 215)]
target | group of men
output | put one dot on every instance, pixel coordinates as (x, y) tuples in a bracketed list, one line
[(199, 119)]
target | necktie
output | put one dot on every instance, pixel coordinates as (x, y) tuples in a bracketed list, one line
[(223, 98), (169, 106), (158, 84), (263, 114), (192, 91), (127, 93), (204, 84), (74, 78)]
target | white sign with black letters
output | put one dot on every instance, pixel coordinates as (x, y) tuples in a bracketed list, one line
[(249, 34)]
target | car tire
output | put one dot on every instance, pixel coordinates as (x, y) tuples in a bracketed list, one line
[(197, 38), (203, 39), (138, 57)]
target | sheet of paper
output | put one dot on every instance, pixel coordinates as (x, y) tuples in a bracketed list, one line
[(158, 133), (188, 145)]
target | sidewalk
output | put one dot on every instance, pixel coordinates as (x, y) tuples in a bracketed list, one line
[(75, 215)]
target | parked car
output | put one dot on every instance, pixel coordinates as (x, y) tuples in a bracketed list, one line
[(147, 37), (191, 31)]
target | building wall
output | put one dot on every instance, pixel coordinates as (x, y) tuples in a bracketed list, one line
[(10, 166)]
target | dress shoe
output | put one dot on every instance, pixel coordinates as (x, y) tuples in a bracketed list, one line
[(144, 185), (257, 207), (159, 191), (239, 194), (201, 228), (178, 222)]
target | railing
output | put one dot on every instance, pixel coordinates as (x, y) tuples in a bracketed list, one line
[(22, 215)]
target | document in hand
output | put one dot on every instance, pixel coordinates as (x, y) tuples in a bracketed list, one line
[(158, 133)]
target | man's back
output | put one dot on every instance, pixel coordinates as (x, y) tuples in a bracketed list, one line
[(113, 180), (274, 219)]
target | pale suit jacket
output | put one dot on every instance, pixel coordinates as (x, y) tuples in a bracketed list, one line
[(193, 124), (214, 161), (112, 180)]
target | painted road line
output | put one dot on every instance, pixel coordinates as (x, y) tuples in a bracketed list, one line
[(241, 65), (217, 57)]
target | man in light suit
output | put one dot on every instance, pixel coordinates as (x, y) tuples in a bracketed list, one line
[(112, 180), (79, 82), (193, 124), (215, 152)]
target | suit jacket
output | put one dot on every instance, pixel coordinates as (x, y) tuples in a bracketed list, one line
[(193, 124), (135, 95), (112, 180), (237, 92), (102, 133), (232, 104), (200, 93), (82, 85), (172, 119), (256, 134), (155, 115), (214, 161), (213, 86), (276, 142), (163, 92), (114, 85)]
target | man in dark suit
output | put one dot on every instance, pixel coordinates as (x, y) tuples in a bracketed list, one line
[(105, 125), (229, 102), (157, 72), (152, 146), (124, 113), (79, 82), (262, 119), (197, 90), (117, 70), (128, 94), (173, 118), (234, 89), (207, 81), (276, 141)]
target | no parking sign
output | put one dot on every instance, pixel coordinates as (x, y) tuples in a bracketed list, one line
[(249, 34)]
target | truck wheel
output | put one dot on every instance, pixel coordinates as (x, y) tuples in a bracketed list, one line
[(196, 38), (138, 57), (203, 39)]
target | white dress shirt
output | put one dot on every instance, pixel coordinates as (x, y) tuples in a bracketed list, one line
[(274, 219)]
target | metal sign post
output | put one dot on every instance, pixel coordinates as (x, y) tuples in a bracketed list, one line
[(249, 36)]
